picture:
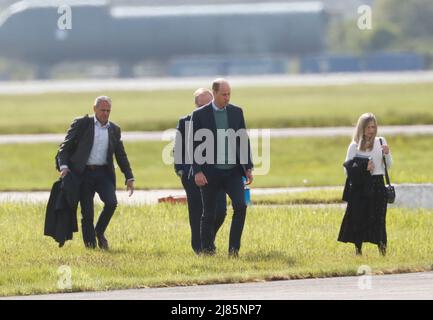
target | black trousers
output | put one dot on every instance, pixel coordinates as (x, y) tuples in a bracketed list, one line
[(230, 182), (195, 210), (98, 180)]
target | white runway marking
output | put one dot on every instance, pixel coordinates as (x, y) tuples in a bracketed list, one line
[(152, 84), (274, 133)]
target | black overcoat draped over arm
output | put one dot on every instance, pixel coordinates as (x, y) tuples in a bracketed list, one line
[(61, 211)]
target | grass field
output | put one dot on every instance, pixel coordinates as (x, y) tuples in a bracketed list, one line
[(265, 107), (294, 162), (150, 248)]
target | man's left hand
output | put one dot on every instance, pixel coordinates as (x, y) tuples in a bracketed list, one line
[(130, 187)]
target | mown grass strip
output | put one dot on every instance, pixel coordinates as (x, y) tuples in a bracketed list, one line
[(264, 107), (151, 248)]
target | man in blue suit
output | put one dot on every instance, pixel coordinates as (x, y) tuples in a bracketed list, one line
[(221, 158), (182, 168)]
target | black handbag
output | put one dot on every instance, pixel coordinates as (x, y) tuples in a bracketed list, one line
[(389, 189)]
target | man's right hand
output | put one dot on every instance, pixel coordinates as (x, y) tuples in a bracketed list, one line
[(200, 179), (64, 172)]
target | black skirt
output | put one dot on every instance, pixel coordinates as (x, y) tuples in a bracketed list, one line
[(365, 217)]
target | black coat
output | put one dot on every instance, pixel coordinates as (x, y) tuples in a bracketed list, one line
[(358, 182), (61, 211)]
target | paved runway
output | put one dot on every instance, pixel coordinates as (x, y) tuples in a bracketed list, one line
[(409, 286), (167, 83), (408, 195), (253, 133), (144, 196)]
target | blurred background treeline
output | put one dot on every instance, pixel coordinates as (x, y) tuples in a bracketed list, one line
[(400, 25)]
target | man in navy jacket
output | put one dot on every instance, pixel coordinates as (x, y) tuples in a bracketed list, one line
[(182, 168), (221, 157)]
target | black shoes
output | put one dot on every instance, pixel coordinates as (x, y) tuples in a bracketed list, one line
[(381, 246), (90, 245), (382, 249), (102, 242), (358, 249), (234, 253), (208, 252)]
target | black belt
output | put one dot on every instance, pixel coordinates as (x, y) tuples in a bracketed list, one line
[(95, 167)]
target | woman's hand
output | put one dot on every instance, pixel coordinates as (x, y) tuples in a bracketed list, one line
[(370, 166), (385, 149)]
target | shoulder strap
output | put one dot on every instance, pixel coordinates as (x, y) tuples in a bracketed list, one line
[(388, 182)]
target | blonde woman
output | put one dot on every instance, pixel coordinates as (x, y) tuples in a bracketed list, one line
[(365, 217)]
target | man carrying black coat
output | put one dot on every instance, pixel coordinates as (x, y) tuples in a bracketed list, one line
[(87, 151)]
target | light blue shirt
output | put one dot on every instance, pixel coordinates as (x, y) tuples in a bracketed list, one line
[(214, 106), (98, 154)]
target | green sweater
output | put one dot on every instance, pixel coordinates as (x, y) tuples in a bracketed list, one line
[(222, 122)]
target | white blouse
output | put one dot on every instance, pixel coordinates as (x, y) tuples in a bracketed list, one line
[(375, 154)]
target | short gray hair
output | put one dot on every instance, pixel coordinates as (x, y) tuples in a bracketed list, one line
[(199, 92), (101, 99)]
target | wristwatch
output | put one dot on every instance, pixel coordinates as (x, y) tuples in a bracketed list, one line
[(179, 173)]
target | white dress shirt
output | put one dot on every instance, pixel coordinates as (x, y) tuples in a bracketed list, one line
[(98, 154), (214, 106)]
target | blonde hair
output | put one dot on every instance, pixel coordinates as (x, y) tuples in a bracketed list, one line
[(359, 136)]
